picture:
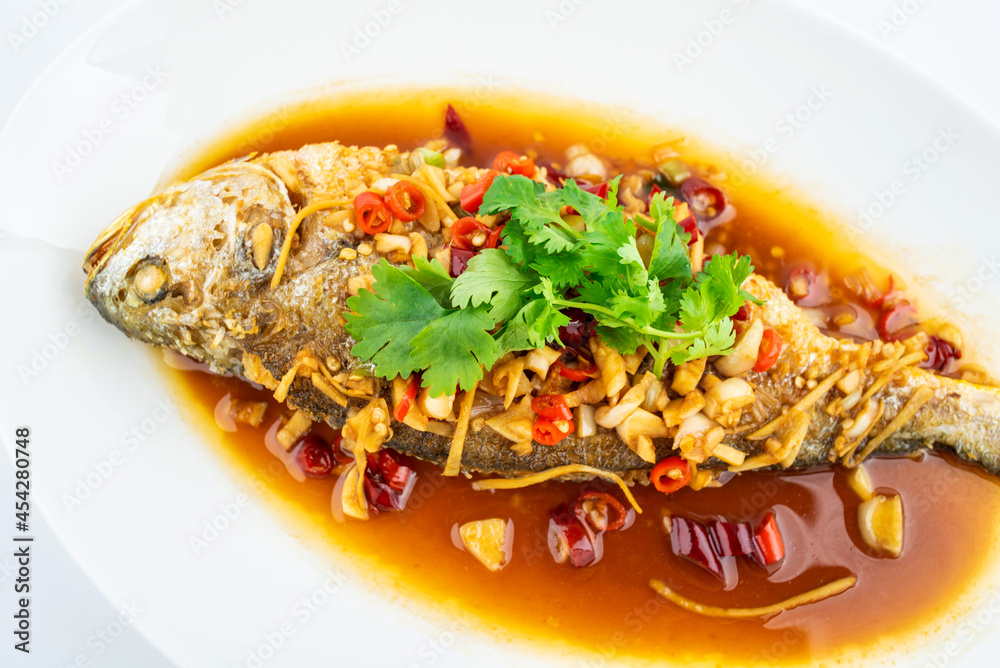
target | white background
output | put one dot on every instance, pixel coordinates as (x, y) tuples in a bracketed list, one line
[(955, 42)]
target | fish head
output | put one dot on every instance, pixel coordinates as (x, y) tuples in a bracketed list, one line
[(166, 270)]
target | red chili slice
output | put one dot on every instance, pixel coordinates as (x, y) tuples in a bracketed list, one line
[(496, 237), (887, 298), (770, 349), (509, 162), (602, 511), (395, 474), (653, 190), (471, 197), (767, 537), (406, 401), (405, 201), (898, 323), (940, 354), (670, 475), (569, 539), (464, 231), (801, 283), (690, 539), (314, 456), (599, 189), (550, 432), (371, 213), (734, 539), (551, 407), (387, 482), (706, 201), (459, 261), (455, 130), (584, 371)]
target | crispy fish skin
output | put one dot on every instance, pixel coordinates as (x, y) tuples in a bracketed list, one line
[(215, 305)]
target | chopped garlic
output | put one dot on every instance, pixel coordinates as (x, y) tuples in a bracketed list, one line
[(881, 522), (489, 541)]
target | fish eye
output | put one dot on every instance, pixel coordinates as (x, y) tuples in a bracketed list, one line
[(150, 280)]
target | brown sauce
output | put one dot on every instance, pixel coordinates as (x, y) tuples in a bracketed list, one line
[(609, 609)]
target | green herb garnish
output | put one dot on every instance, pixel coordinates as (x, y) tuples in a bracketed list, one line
[(512, 299)]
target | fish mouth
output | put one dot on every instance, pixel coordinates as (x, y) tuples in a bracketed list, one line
[(107, 242)]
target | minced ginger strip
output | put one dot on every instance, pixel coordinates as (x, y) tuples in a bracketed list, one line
[(454, 463), (542, 476), (883, 380), (803, 406), (331, 392), (299, 217), (813, 596), (281, 392), (920, 397)]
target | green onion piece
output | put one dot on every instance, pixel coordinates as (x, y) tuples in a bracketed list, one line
[(432, 158), (676, 171)]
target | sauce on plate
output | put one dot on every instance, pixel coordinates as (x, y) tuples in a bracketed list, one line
[(609, 609)]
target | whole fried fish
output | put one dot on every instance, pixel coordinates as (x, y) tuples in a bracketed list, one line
[(191, 268)]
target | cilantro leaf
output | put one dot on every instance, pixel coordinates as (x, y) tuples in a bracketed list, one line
[(383, 322), (670, 255), (492, 278), (718, 339), (433, 277), (533, 211), (601, 241), (421, 319), (641, 309), (589, 206), (595, 292), (535, 324), (452, 350), (519, 248), (623, 339), (563, 269), (725, 274), (519, 195)]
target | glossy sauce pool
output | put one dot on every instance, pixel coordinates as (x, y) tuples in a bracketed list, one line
[(609, 609)]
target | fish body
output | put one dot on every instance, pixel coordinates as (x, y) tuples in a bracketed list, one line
[(191, 269)]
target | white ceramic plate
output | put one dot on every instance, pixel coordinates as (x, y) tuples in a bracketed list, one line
[(126, 480)]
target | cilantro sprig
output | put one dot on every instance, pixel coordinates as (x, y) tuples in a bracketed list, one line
[(510, 299)]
